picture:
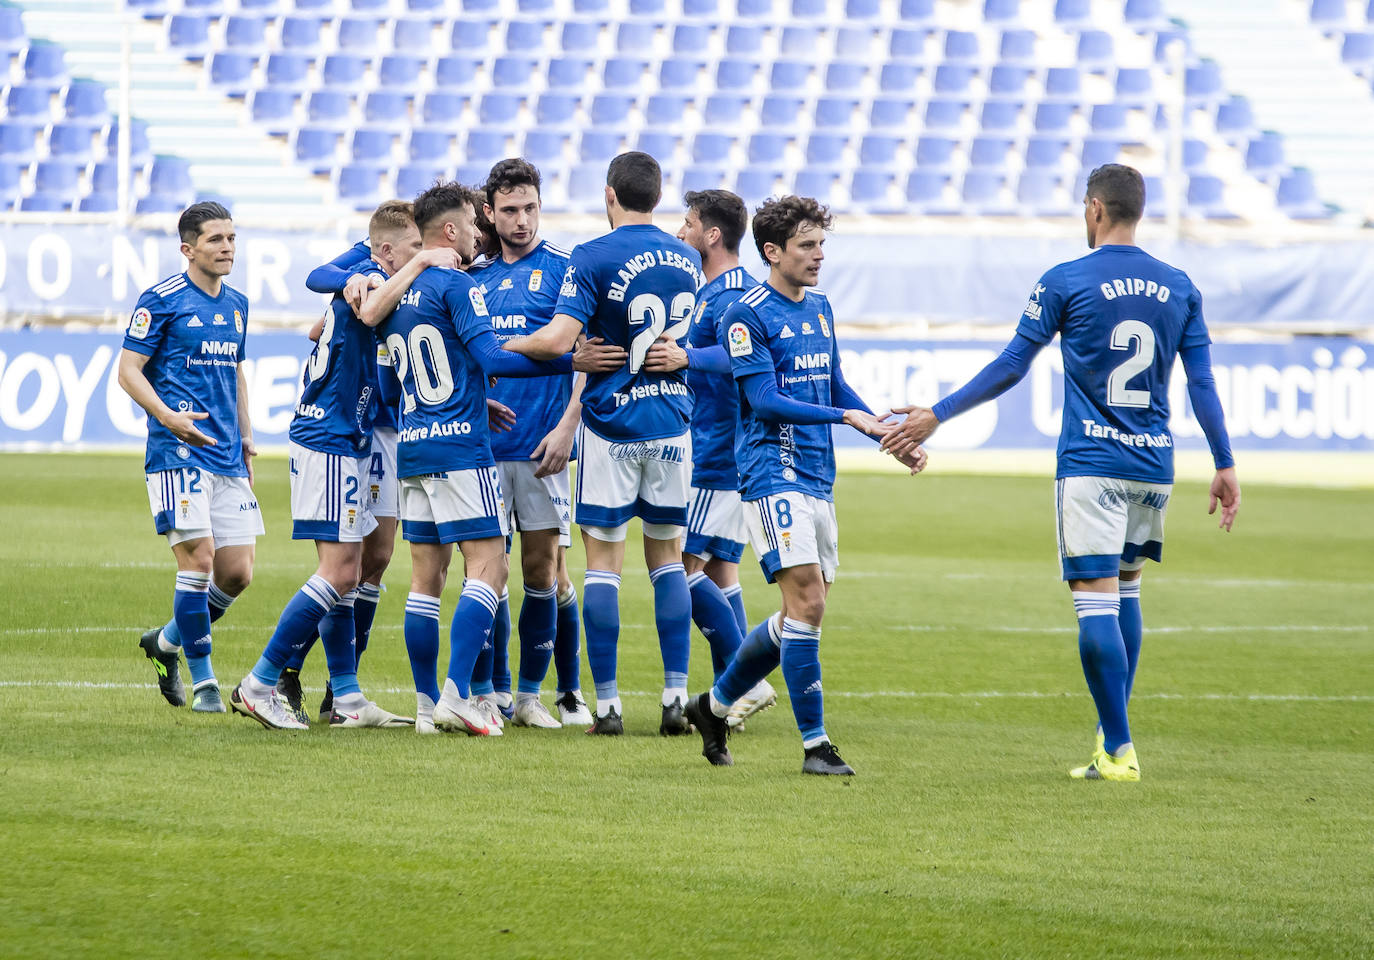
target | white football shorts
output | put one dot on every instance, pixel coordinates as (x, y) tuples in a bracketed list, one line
[(535, 503), (1106, 525), (715, 525), (791, 530), (619, 480), (383, 486), (190, 504), (453, 506), (329, 499)]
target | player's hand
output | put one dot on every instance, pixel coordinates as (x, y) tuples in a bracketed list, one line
[(355, 290), (914, 461), (910, 433), (249, 452), (665, 356), (445, 257), (1226, 491), (553, 451), (182, 424), (598, 356), (865, 422), (499, 416)]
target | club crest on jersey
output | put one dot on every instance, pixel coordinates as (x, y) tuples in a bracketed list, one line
[(219, 320), (479, 303), (701, 309), (536, 280), (786, 333), (825, 327), (138, 326), (195, 321), (740, 344), (238, 322)]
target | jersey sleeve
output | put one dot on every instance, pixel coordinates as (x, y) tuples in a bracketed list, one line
[(467, 308), (1044, 312), (148, 324), (577, 296), (1194, 327), (330, 277), (746, 341)]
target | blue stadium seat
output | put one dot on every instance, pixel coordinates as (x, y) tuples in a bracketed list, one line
[(1053, 117), (961, 45), (360, 185), (1195, 156), (691, 38), (31, 104), (579, 36), (400, 72), (1073, 12), (815, 183), (780, 112), (1357, 52), (412, 35), (428, 146), (706, 9), (756, 184), (300, 34), (954, 78), (170, 176), (587, 8), (598, 146), (158, 203), (935, 153), (648, 8), (660, 145), (825, 149), (906, 44), (555, 109), (1036, 190), (85, 100), (982, 189), (1134, 87), (1099, 150), (188, 35), (18, 143), (1297, 196), (703, 178), (1018, 46), (456, 73), (524, 36), (498, 109), (1063, 83), (634, 39), (1001, 116), (1045, 152), (754, 9), (989, 152), (1008, 80), (889, 113), (568, 73), (898, 77), (321, 7), (869, 188), (1327, 13), (1096, 51), (371, 145), (246, 34), (724, 109), (140, 149), (414, 179), (1207, 197), (917, 11), (329, 108), (470, 35), (12, 35), (472, 174), (315, 147), (876, 150), (105, 176), (370, 6), (712, 148), (862, 10), (1235, 118), (587, 186), (358, 33), (1166, 39), (736, 74), (925, 188), (611, 109), (788, 75), (665, 109), (843, 77), (544, 147), (344, 71), (770, 148), (942, 114), (1001, 11), (72, 142), (743, 39), (678, 74), (809, 9), (1203, 82), (276, 109), (10, 179), (1107, 118), (623, 73), (96, 202), (1264, 156), (834, 111), (1144, 15), (443, 110), (39, 202), (513, 72), (484, 146), (288, 71)]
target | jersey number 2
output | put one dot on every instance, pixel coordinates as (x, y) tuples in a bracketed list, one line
[(646, 311), (424, 351), (1144, 339)]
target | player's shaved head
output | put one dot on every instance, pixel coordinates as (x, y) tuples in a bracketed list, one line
[(777, 221), (1121, 191), (439, 200), (637, 181), (194, 217), (722, 210), (389, 219)]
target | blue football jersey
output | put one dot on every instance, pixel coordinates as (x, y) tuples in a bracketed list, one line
[(339, 386), (765, 332), (631, 287), (386, 403), (194, 343), (1122, 317), (521, 297), (715, 401), (443, 390)]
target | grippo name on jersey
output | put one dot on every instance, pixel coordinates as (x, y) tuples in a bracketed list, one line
[(1135, 287)]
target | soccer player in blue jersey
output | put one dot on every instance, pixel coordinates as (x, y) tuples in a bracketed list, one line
[(182, 363), (331, 465), (443, 350), (713, 224), (781, 341), (520, 286), (630, 287), (1122, 317)]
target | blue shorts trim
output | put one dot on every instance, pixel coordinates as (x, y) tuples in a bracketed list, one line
[(591, 515), (698, 544), (1107, 565), (1151, 550), (326, 530), (770, 565), (453, 531), (651, 513), (165, 521)]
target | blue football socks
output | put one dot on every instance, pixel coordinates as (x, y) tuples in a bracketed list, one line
[(538, 633), (471, 628), (364, 612), (1103, 654), (567, 646), (714, 616), (1132, 628), (191, 620), (673, 618), (422, 643), (756, 658), (170, 637), (500, 645), (601, 618), (337, 637), (801, 668), (735, 595), (296, 627)]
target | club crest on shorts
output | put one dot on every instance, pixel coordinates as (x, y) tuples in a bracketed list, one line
[(740, 344), (138, 326)]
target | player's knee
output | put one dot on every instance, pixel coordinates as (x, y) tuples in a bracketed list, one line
[(810, 608), (235, 579), (538, 570)]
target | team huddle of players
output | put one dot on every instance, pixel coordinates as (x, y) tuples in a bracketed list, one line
[(450, 392)]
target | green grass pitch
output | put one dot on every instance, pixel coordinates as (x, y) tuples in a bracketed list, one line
[(130, 829)]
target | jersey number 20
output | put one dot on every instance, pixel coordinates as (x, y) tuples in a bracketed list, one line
[(424, 352), (647, 312), (1122, 336)]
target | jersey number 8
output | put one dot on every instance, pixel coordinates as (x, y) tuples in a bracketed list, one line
[(424, 352), (646, 311)]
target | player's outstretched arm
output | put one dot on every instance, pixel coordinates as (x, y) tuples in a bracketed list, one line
[(181, 423), (597, 356), (769, 403), (245, 424), (555, 449), (1226, 491), (330, 277), (665, 356), (496, 362), (378, 304), (550, 341)]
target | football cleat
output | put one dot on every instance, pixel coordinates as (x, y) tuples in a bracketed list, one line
[(456, 715), (207, 699), (327, 704), (490, 707), (608, 726), (165, 665), (1104, 766), (759, 698), (289, 689), (572, 709), (674, 723), (424, 714), (824, 760), (269, 710), (368, 715), (713, 729), (1100, 741), (533, 713), (505, 703)]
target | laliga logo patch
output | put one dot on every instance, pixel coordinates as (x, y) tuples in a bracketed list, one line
[(238, 322), (479, 303), (740, 344), (536, 280), (825, 327), (138, 326)]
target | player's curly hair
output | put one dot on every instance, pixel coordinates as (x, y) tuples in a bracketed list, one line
[(1121, 190), (196, 216), (776, 221), (442, 198), (509, 174), (720, 209)]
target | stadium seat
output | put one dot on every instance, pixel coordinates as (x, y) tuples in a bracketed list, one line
[(544, 147), (623, 73), (30, 104), (724, 110), (140, 148), (73, 142), (945, 114), (484, 146), (736, 74), (56, 177), (869, 188), (767, 148), (359, 34), (344, 71), (1001, 116), (188, 35), (982, 189), (159, 203), (876, 150), (665, 109), (925, 188), (634, 38), (10, 182), (844, 77), (917, 11), (587, 186), (315, 147), (815, 183), (1063, 83), (800, 40), (954, 78), (1099, 150), (703, 178), (1001, 11), (300, 34), (834, 112), (1264, 156), (579, 37), (1045, 152), (232, 73), (862, 10), (598, 146), (1072, 12), (809, 9), (648, 8), (39, 202), (1235, 119), (780, 112), (1203, 82), (754, 9), (1357, 52), (1053, 117), (825, 149), (1195, 156), (427, 146), (906, 44), (170, 176), (524, 36), (659, 144), (857, 43), (1107, 118), (1096, 51), (705, 9), (287, 71), (743, 40), (1134, 87), (611, 109), (898, 77), (989, 152), (400, 72), (84, 100), (498, 109), (1018, 46), (1207, 197), (961, 45), (756, 184), (1167, 40), (1144, 15), (568, 73), (442, 110), (678, 74), (472, 174), (96, 202), (275, 109), (890, 113), (456, 73), (18, 143), (12, 34), (246, 34), (1035, 191), (1330, 14), (371, 145), (329, 108), (105, 176), (712, 148), (555, 109), (470, 35), (360, 185), (412, 36), (515, 73), (586, 8), (691, 38), (789, 75), (1297, 196), (935, 153)]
